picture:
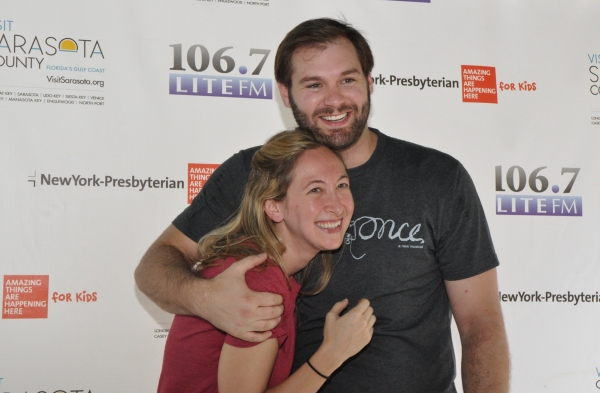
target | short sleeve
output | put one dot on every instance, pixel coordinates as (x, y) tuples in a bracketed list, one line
[(272, 279), (219, 199), (465, 247)]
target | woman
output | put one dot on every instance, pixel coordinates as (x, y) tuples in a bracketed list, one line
[(297, 203)]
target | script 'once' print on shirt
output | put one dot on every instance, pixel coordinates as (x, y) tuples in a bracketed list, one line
[(366, 228)]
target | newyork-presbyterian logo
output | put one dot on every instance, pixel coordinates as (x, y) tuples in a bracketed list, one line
[(95, 181), (197, 72), (414, 81)]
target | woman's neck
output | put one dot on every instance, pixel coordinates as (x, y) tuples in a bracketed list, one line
[(295, 258)]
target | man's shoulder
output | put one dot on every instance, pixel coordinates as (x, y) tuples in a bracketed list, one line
[(242, 157), (249, 152), (417, 155), (237, 167)]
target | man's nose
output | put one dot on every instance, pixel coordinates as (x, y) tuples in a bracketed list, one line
[(334, 97)]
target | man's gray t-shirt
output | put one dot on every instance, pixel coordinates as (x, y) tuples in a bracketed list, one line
[(417, 222)]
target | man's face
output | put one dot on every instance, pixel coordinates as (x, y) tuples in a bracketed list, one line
[(330, 95)]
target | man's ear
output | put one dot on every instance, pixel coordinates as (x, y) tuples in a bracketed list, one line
[(370, 83), (285, 95), (273, 210)]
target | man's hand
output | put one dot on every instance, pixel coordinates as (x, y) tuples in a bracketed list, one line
[(232, 307), (165, 276), (485, 357)]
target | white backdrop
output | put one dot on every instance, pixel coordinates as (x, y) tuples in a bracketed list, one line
[(98, 147)]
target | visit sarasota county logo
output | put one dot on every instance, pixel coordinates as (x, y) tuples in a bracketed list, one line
[(2, 386), (228, 78), (21, 50), (594, 74), (537, 200)]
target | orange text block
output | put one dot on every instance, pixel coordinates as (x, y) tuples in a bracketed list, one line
[(479, 84), (25, 297), (198, 174)]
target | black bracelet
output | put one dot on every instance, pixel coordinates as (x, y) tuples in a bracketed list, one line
[(315, 370)]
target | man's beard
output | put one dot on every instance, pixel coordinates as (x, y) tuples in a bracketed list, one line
[(336, 138)]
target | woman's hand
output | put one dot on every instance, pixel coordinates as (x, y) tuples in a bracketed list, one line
[(345, 336)]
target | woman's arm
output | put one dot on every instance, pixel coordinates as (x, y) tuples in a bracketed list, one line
[(249, 369)]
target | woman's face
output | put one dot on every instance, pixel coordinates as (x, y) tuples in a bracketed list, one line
[(317, 209)]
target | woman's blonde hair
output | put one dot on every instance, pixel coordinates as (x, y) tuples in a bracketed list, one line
[(251, 231)]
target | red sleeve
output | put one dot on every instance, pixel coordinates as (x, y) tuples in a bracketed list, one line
[(272, 279)]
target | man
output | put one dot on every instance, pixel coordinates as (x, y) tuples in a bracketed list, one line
[(418, 247)]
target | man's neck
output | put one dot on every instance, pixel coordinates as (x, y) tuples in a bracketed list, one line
[(361, 151)]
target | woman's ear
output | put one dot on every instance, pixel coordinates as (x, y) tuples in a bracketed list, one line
[(273, 210)]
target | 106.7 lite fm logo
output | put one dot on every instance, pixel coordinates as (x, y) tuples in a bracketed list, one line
[(192, 62), (537, 201)]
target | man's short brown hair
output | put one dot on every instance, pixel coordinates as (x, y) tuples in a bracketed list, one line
[(317, 33)]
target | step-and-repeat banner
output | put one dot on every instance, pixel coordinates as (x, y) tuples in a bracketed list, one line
[(113, 114)]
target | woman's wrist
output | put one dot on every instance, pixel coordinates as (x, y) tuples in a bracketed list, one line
[(317, 371), (325, 361)]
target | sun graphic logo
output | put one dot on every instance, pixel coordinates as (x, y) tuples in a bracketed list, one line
[(67, 45), (70, 45)]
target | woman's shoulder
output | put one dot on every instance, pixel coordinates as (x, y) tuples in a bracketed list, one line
[(218, 267), (270, 278)]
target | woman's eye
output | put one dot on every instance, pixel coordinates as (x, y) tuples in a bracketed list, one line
[(315, 190)]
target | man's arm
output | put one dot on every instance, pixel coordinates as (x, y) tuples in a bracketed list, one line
[(476, 309), (164, 275)]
